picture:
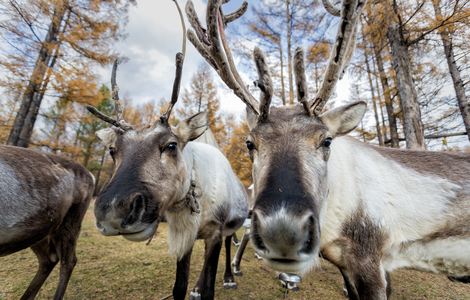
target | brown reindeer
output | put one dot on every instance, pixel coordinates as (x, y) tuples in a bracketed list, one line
[(43, 199), (368, 210)]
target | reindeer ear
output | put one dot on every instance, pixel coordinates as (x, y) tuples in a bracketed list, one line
[(251, 118), (344, 119), (192, 128), (107, 136)]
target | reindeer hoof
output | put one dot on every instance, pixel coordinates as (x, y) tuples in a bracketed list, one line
[(345, 292), (236, 270), (230, 284), (194, 295)]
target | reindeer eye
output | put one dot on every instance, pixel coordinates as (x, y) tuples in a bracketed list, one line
[(171, 146), (250, 145), (327, 142)]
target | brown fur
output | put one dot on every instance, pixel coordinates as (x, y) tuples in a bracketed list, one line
[(52, 230), (454, 166)]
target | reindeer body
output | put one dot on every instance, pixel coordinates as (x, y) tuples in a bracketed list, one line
[(43, 199), (390, 209), (222, 200)]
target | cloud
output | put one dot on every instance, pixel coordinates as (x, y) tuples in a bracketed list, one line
[(153, 38)]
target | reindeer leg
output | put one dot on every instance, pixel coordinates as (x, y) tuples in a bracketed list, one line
[(229, 281), (239, 254), (182, 276), (389, 284), (204, 289), (366, 282), (47, 259), (65, 240), (235, 240), (349, 289)]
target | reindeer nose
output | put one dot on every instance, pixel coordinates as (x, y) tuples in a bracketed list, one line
[(284, 236), (136, 210)]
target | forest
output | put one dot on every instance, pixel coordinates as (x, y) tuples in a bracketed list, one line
[(411, 64)]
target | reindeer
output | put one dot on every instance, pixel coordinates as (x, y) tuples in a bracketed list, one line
[(43, 199), (161, 171), (369, 210)]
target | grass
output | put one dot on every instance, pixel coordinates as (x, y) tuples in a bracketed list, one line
[(114, 268)]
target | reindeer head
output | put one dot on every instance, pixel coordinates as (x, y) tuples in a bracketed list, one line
[(150, 173), (289, 146)]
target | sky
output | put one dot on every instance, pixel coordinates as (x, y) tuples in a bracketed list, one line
[(153, 38)]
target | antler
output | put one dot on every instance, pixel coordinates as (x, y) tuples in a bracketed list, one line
[(301, 81), (341, 52), (212, 45), (118, 121), (179, 60)]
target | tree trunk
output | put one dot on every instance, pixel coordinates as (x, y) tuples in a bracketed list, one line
[(401, 62), (392, 121), (289, 52), (464, 103), (283, 86), (374, 102), (26, 116), (379, 97)]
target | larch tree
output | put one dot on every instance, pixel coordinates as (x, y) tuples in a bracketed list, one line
[(51, 42), (445, 33), (280, 26), (202, 96)]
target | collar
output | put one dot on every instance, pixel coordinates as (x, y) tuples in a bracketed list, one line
[(190, 200)]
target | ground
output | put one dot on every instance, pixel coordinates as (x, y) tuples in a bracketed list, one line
[(114, 268)]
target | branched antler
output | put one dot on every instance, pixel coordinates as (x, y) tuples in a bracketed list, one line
[(341, 52), (331, 8), (179, 60), (300, 80), (264, 83), (118, 121), (211, 43)]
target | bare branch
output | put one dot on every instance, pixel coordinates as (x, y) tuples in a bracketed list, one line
[(264, 83)]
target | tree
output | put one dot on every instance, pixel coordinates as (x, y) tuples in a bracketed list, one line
[(280, 25), (237, 153), (413, 126), (202, 95), (447, 43), (66, 35)]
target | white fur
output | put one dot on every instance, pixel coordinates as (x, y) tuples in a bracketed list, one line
[(219, 187), (405, 204), (182, 231)]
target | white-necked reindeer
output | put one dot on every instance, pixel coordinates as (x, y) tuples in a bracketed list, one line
[(369, 210), (159, 171), (43, 199)]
